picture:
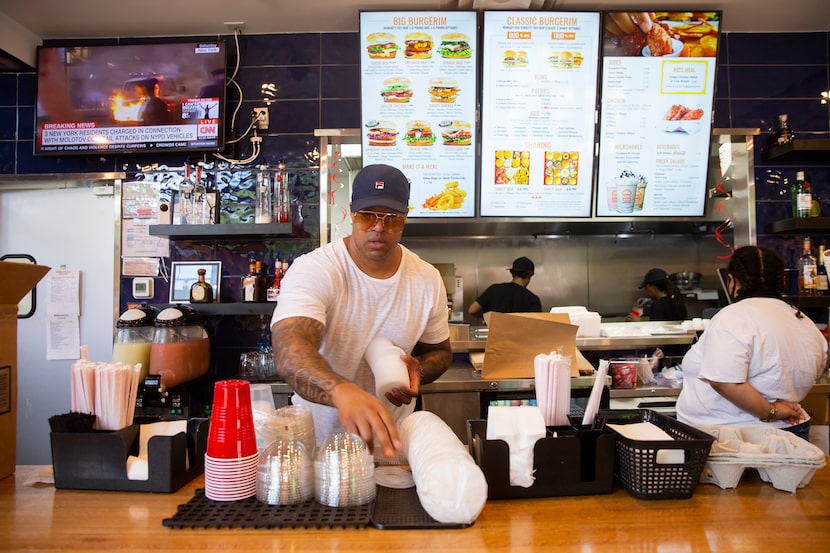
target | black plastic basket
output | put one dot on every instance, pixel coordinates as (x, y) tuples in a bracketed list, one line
[(636, 468)]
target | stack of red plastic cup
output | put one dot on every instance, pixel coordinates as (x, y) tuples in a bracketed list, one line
[(231, 456)]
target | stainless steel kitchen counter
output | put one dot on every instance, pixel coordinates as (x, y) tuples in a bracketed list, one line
[(599, 343)]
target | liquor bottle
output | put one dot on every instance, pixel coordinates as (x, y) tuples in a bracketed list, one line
[(807, 270), (249, 281), (201, 291), (822, 283), (784, 135), (282, 195), (273, 292), (260, 284), (802, 197), (264, 196)]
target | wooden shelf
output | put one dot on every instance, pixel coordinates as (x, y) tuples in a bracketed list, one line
[(792, 226), (800, 150), (235, 230)]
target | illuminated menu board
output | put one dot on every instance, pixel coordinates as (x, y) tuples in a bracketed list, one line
[(418, 105), (539, 80), (658, 77)]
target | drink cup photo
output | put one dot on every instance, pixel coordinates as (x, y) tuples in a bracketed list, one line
[(612, 197), (625, 196), (640, 194)]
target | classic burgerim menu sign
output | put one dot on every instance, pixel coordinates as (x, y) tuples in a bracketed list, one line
[(539, 82), (418, 104), (657, 89)]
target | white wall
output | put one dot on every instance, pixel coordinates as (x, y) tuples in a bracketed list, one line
[(57, 227), (18, 41)]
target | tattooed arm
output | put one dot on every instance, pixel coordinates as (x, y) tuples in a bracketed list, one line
[(296, 343)]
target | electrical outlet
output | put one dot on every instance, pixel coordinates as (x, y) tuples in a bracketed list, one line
[(261, 115)]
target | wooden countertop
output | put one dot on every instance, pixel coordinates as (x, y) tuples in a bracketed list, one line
[(752, 517)]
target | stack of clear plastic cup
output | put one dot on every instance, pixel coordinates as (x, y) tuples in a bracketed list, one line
[(285, 474), (344, 472), (231, 455), (299, 423)]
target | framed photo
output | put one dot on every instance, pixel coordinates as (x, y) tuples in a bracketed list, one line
[(184, 273), (185, 213)]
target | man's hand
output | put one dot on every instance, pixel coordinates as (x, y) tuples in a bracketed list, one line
[(402, 394), (367, 416)]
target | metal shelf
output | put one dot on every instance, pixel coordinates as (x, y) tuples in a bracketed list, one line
[(234, 230), (800, 150), (240, 308), (809, 224), (809, 302)]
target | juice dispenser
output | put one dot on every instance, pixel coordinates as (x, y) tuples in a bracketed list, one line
[(134, 337), (181, 349)]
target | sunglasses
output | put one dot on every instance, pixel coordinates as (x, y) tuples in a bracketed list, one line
[(368, 219)]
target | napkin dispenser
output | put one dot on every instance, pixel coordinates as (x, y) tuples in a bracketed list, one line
[(98, 460)]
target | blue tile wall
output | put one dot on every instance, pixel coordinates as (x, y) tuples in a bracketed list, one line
[(760, 75)]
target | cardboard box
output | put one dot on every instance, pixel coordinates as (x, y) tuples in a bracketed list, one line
[(16, 279), (515, 339)]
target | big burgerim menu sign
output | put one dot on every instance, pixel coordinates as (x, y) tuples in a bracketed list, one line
[(419, 105)]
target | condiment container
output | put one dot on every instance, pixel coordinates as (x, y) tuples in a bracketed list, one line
[(134, 338), (181, 348)]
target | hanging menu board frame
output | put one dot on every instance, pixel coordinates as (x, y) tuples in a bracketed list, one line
[(419, 93), (539, 90), (656, 103)]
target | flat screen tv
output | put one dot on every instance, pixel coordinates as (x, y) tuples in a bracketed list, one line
[(149, 97)]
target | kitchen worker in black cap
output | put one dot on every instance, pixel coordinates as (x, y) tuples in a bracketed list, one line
[(509, 297), (666, 303)]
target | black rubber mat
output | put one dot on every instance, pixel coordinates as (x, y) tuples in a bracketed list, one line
[(392, 509), (201, 512), (398, 509)]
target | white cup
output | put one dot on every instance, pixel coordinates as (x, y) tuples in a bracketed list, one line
[(390, 371)]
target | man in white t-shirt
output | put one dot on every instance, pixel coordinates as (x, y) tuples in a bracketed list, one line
[(336, 299)]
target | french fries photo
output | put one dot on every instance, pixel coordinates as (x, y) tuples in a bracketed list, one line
[(451, 197)]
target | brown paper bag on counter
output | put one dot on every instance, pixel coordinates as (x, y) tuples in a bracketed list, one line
[(515, 339)]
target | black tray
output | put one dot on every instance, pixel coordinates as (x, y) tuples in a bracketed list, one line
[(391, 509)]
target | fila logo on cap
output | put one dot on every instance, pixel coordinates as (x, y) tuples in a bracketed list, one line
[(379, 185)]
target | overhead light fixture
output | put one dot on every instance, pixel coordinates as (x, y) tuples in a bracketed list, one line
[(825, 96)]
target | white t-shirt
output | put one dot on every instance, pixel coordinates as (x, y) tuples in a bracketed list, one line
[(327, 285), (755, 340)]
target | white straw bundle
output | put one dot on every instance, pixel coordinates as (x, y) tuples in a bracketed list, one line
[(106, 390), (596, 393), (553, 387)]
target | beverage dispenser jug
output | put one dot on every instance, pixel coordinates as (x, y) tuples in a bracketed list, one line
[(181, 348), (134, 337)]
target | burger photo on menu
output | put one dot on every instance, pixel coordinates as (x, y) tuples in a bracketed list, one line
[(396, 89), (382, 133), (382, 45), (417, 45), (443, 90), (419, 133), (513, 58), (454, 45), (456, 133)]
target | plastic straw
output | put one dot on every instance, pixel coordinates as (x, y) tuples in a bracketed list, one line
[(596, 393)]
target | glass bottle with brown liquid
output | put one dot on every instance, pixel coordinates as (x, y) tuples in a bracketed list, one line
[(201, 291)]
